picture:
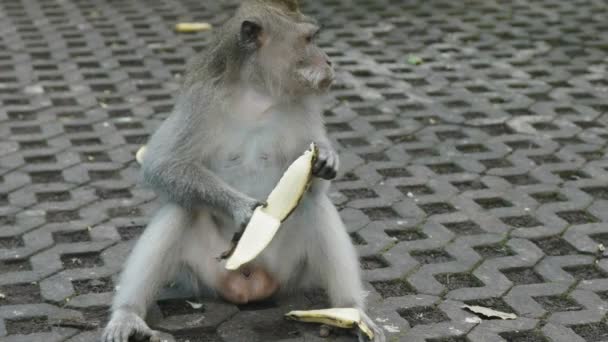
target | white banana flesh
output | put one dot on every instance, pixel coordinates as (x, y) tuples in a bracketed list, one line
[(286, 195), (265, 221), (254, 240), (338, 317)]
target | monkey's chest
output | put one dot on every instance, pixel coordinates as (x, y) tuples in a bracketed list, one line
[(255, 177), (255, 164)]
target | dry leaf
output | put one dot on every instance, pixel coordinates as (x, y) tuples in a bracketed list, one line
[(414, 60), (489, 313)]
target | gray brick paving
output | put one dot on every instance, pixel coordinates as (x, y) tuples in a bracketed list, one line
[(478, 176)]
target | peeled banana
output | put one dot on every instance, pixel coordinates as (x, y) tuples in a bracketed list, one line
[(339, 317), (266, 220)]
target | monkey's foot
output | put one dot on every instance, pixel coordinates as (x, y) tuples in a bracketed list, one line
[(325, 330), (125, 324)]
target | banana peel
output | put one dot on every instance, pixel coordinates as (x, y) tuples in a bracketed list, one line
[(347, 318), (266, 220), (288, 192), (139, 156)]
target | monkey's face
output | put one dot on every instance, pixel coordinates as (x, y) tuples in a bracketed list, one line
[(291, 59), (312, 66)]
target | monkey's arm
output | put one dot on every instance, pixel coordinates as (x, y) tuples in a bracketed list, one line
[(190, 184), (174, 162)]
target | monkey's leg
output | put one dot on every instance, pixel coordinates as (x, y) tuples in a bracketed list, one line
[(153, 261), (335, 259)]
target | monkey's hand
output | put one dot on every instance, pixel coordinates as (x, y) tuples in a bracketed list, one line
[(242, 210), (327, 163), (124, 324), (378, 332)]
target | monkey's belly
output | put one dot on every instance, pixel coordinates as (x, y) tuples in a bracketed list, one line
[(256, 182), (248, 284)]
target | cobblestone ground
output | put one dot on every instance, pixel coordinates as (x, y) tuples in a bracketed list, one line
[(473, 138)]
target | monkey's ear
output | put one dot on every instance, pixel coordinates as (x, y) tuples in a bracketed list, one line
[(250, 31)]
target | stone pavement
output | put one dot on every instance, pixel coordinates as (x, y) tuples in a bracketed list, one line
[(473, 139)]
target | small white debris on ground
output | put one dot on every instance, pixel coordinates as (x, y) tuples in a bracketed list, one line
[(489, 313), (391, 328), (194, 305)]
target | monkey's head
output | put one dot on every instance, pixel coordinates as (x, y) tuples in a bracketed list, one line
[(278, 49)]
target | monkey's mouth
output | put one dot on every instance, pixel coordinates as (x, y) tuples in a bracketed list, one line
[(316, 78)]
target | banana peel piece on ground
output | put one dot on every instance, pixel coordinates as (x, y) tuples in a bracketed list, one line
[(281, 202), (347, 318), (139, 156), (192, 27)]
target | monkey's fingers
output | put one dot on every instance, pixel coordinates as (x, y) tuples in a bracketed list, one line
[(236, 237), (147, 335), (320, 162), (143, 333), (326, 164), (228, 253), (330, 170), (107, 335), (319, 165), (327, 168)]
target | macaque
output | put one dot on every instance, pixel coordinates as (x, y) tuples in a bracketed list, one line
[(250, 104)]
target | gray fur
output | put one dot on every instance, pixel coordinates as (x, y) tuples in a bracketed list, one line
[(242, 116)]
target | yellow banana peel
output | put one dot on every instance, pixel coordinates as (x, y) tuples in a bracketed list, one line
[(338, 317)]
